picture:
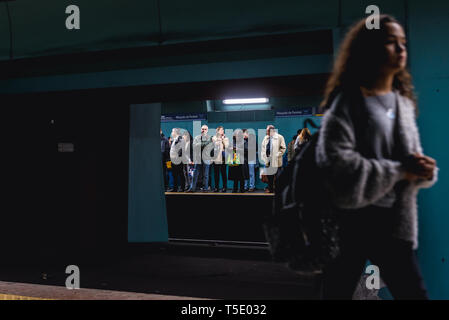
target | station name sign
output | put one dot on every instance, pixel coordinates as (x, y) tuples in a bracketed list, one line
[(294, 113), (183, 117)]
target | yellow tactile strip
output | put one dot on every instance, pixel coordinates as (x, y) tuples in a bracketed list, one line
[(14, 297), (27, 291)]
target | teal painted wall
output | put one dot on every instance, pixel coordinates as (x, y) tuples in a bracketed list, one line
[(429, 54), (147, 220)]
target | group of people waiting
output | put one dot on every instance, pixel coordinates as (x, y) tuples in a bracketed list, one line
[(370, 151), (191, 161)]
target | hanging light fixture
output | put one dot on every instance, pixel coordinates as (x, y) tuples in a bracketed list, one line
[(245, 101)]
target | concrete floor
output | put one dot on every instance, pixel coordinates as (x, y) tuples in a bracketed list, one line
[(169, 272), (26, 291)]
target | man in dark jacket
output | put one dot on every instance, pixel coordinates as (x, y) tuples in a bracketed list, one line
[(202, 165), (165, 155), (250, 146), (177, 155)]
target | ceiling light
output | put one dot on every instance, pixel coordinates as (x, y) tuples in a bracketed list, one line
[(245, 101)]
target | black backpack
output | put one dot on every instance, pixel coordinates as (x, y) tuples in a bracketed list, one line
[(302, 227)]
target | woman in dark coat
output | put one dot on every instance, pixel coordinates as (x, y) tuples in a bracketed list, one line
[(246, 157), (236, 171)]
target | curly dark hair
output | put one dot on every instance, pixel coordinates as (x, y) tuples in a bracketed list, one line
[(359, 60)]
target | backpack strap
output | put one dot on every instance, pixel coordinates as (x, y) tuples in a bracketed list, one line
[(356, 109)]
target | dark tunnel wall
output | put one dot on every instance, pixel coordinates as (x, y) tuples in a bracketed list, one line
[(126, 23), (63, 206), (4, 33)]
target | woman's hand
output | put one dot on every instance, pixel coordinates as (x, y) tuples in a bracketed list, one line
[(427, 165), (411, 177), (419, 166)]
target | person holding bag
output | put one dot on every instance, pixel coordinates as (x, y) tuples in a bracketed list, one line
[(235, 162)]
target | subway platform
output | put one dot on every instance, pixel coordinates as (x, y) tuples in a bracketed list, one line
[(218, 216)]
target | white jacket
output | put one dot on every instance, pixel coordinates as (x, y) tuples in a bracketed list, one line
[(220, 145), (278, 149)]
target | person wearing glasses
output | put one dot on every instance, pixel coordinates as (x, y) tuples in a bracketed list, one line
[(202, 149)]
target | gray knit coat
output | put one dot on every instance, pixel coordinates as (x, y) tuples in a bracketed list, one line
[(356, 181)]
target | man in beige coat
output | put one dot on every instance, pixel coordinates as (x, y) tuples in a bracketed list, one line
[(272, 150)]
